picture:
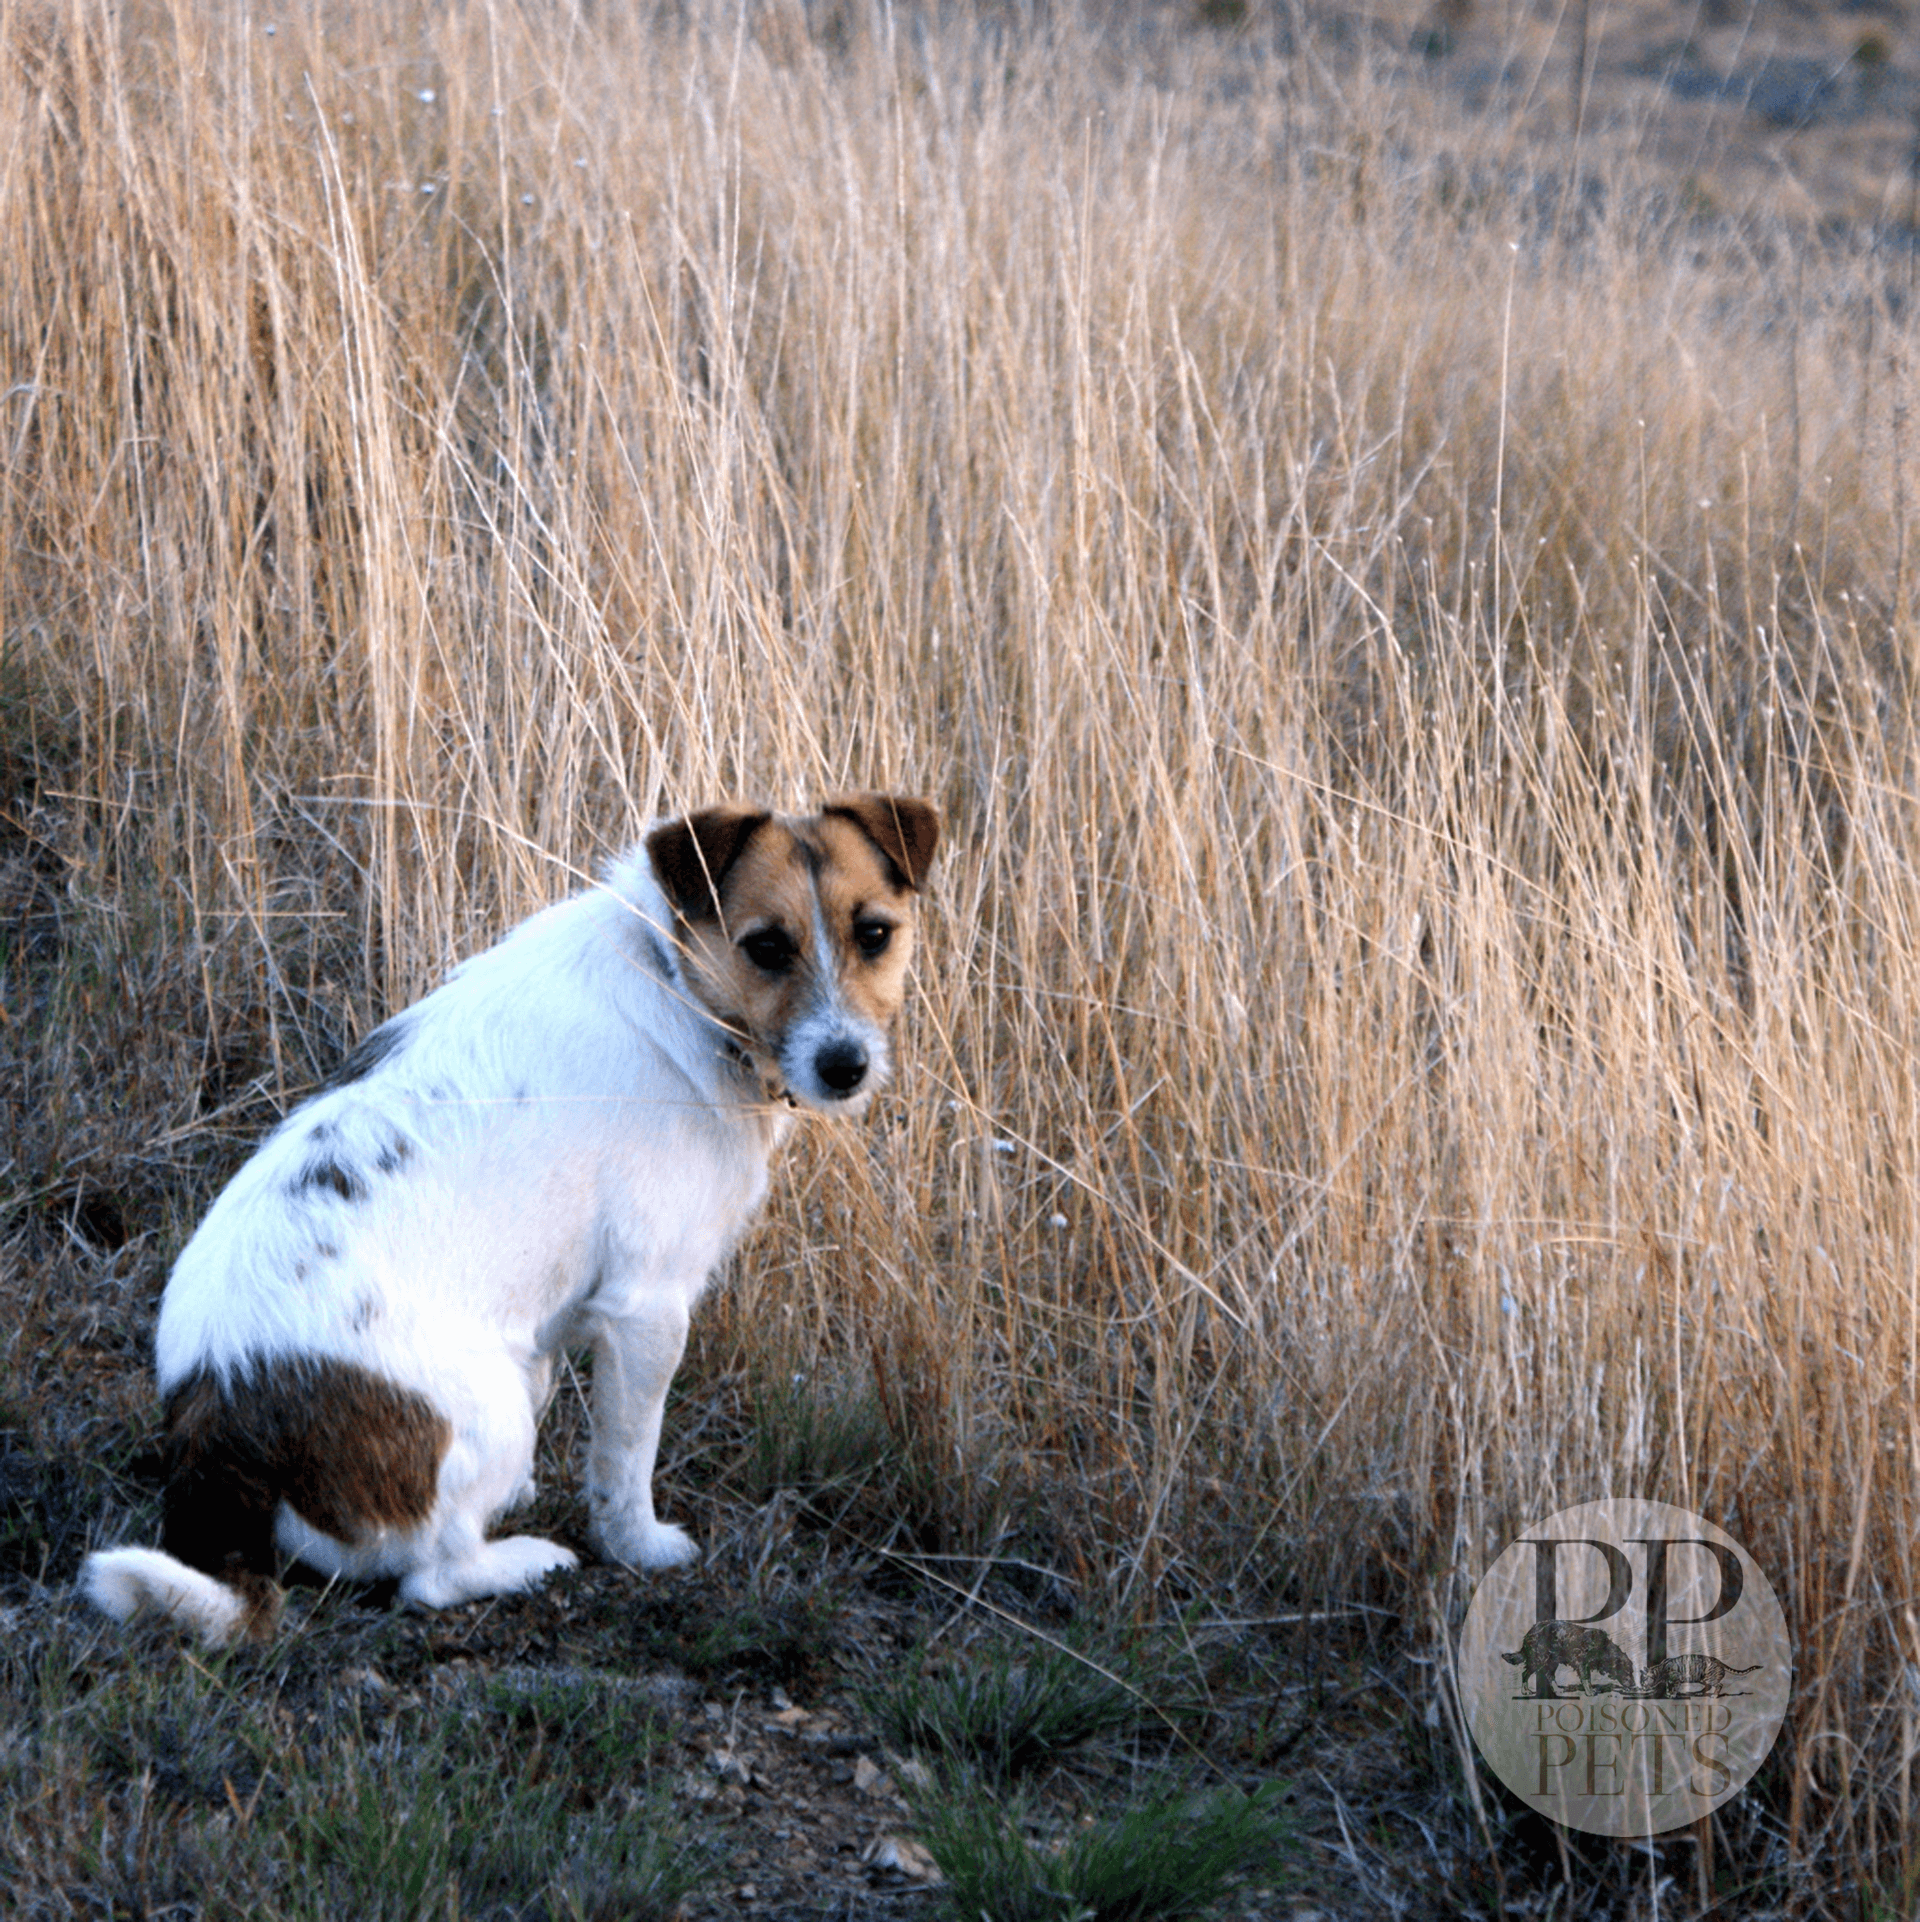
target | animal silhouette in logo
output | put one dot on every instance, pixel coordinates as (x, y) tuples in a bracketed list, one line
[(1682, 1676), (1548, 1647)]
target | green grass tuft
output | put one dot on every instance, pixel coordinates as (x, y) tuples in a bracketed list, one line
[(824, 1437), (1006, 1712), (1168, 1858)]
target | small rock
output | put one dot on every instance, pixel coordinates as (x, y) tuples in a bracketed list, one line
[(869, 1777), (903, 1857)]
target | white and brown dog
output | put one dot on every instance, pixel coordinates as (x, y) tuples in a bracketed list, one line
[(556, 1147)]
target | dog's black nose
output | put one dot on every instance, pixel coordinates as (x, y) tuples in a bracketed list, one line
[(842, 1066)]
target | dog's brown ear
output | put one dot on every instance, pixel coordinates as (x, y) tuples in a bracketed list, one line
[(906, 831), (691, 857)]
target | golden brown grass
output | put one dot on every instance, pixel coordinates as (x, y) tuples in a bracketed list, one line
[(1417, 1025)]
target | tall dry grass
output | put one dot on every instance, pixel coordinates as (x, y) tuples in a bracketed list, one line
[(1417, 1024)]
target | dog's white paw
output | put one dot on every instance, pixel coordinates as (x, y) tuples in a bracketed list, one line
[(642, 1542), (523, 1560), (494, 1568)]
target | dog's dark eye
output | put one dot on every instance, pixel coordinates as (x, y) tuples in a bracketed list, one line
[(769, 949), (871, 937)]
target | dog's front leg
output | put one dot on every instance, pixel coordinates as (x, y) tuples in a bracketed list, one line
[(634, 1356)]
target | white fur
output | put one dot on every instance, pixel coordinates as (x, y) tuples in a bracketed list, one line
[(128, 1582), (561, 1149)]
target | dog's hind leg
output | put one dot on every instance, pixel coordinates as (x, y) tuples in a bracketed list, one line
[(634, 1357), (487, 1468), (486, 1568)]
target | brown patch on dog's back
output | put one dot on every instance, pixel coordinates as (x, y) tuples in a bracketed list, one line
[(351, 1452), (368, 1052), (331, 1176)]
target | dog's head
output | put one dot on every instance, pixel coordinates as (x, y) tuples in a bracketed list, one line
[(795, 931)]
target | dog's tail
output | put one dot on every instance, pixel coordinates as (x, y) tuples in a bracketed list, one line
[(130, 1582), (213, 1571), (358, 1453)]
